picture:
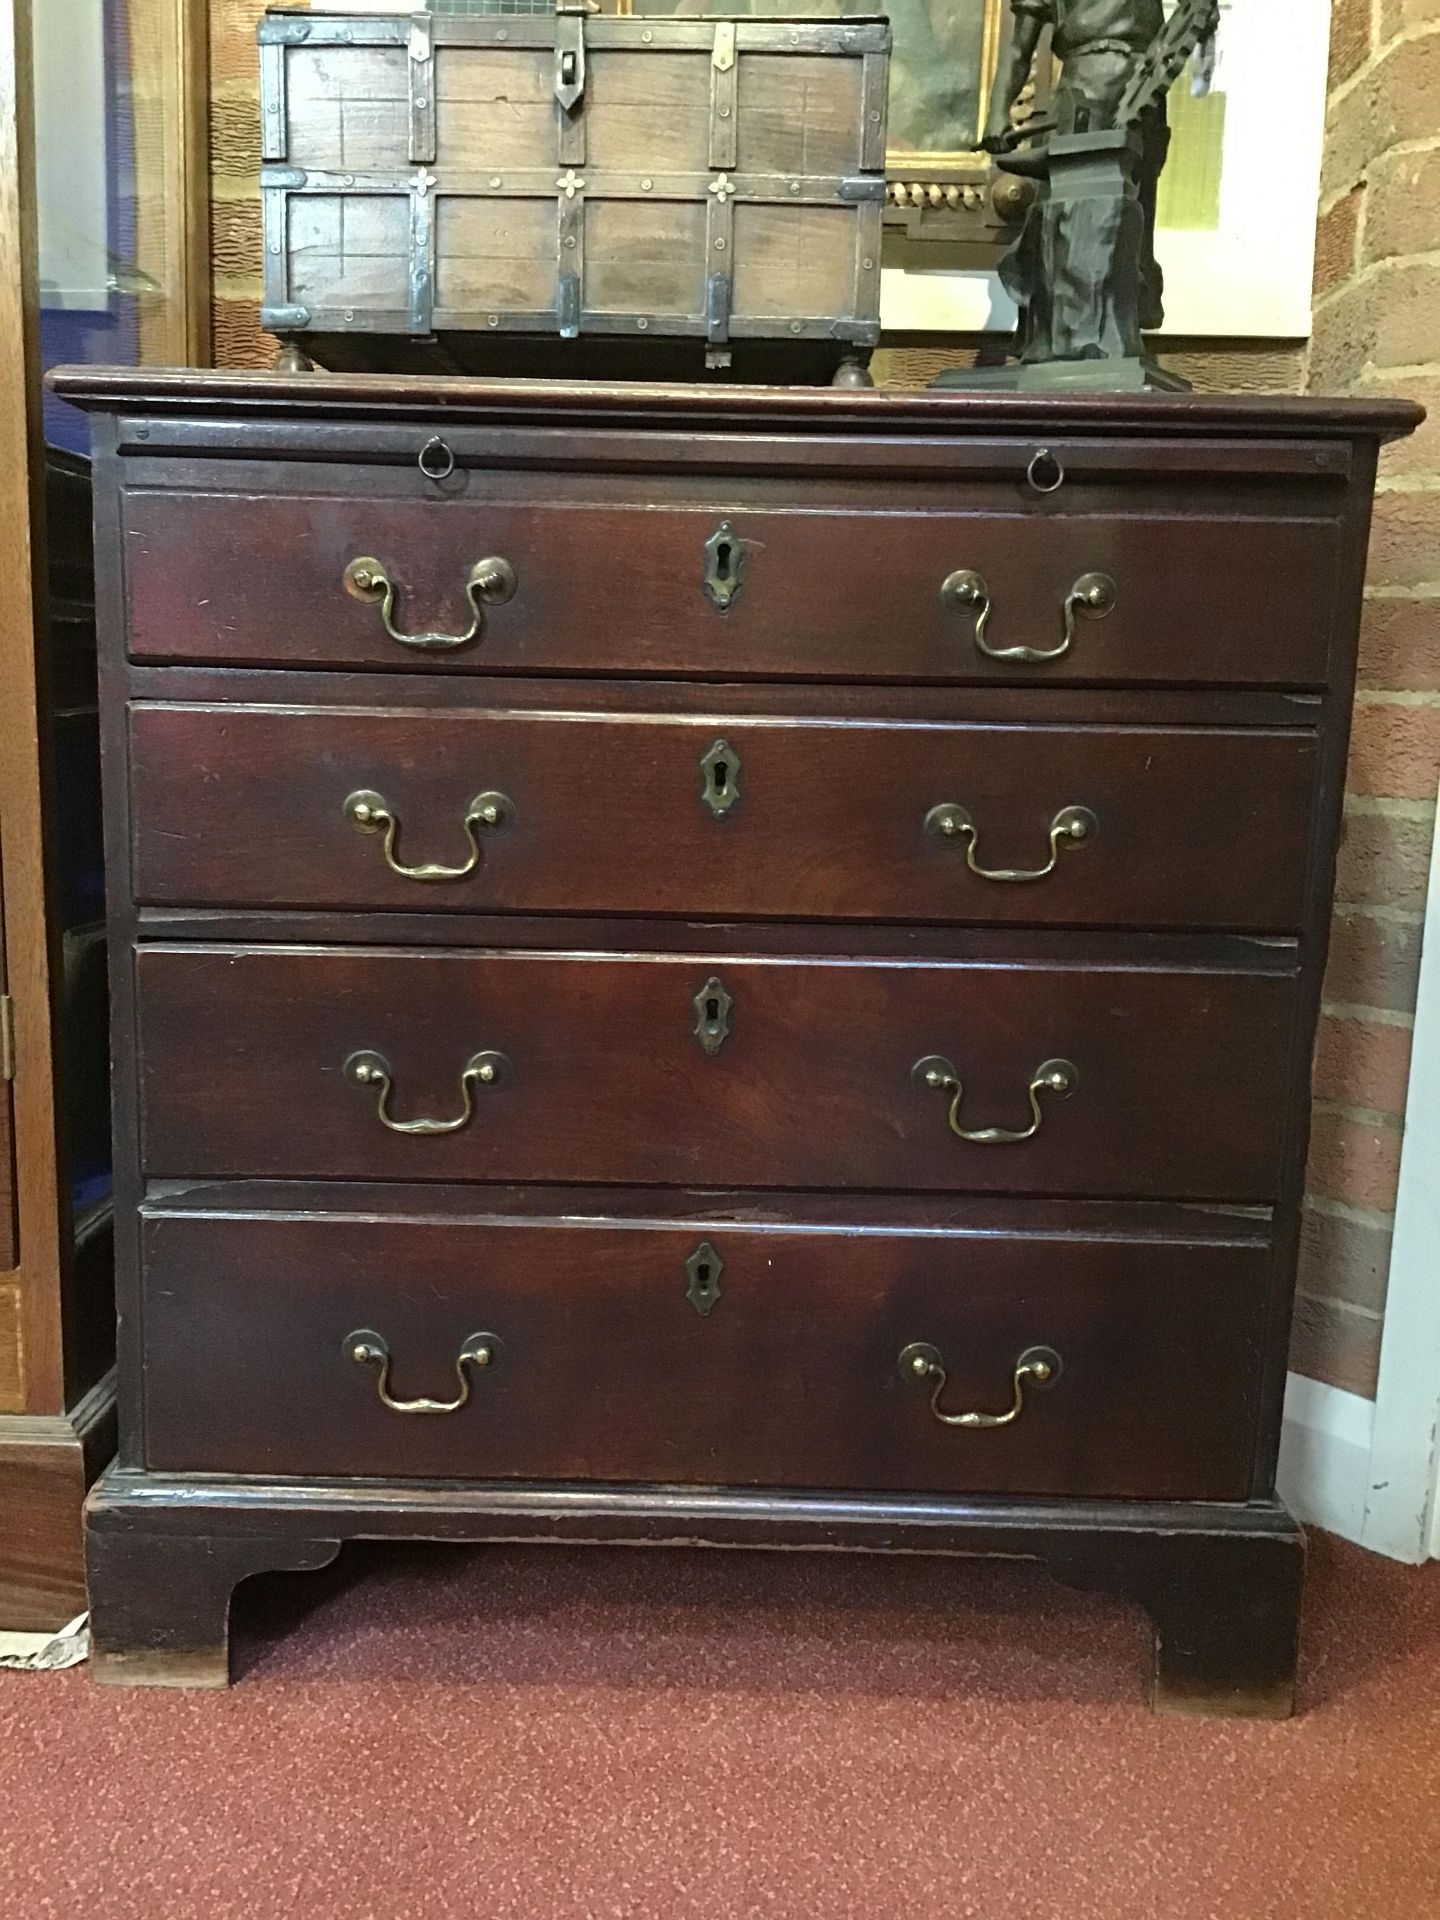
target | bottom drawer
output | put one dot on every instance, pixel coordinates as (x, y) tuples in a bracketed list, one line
[(693, 1339)]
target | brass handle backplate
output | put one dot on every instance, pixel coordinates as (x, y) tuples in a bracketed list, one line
[(370, 1349), (924, 1365), (1071, 827), (490, 581), (1093, 596), (368, 1069), (370, 812), (1056, 1077)]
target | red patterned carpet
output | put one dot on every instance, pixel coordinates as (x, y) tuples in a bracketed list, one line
[(430, 1731)]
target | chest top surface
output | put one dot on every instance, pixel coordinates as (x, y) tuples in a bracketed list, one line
[(881, 411)]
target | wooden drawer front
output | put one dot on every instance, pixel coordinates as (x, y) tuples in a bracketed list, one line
[(247, 807), (605, 1369), (620, 589), (1181, 1073)]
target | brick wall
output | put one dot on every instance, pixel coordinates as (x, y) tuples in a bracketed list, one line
[(1377, 330)]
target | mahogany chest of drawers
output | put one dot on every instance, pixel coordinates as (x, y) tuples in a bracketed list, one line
[(734, 965)]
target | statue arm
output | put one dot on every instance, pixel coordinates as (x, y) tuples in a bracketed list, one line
[(1015, 69)]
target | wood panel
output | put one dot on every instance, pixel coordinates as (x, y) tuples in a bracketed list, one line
[(798, 114), (1181, 1071), (12, 1347), (495, 108), (646, 114), (605, 1369), (493, 254), (823, 818), (29, 947), (260, 579), (46, 1463), (348, 107), (12, 1372), (357, 250)]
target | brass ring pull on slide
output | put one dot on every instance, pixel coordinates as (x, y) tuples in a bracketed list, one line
[(1046, 471), (370, 812), (1036, 1367), (370, 1349), (1093, 596), (491, 581), (1056, 1077), (370, 1069), (1071, 827)]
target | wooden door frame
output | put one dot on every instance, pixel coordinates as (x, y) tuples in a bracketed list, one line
[(176, 34), (31, 940), (170, 51)]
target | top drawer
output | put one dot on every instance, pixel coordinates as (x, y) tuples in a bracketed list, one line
[(762, 591)]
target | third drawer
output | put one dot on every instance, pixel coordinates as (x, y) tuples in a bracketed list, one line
[(1031, 1075), (769, 817)]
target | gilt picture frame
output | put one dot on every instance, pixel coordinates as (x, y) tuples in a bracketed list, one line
[(942, 73)]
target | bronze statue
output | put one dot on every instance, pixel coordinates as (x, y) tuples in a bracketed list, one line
[(1083, 272)]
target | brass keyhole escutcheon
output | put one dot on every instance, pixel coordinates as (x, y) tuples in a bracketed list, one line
[(712, 1006), (719, 777), (724, 567), (703, 1268)]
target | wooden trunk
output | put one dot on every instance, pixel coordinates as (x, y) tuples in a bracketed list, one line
[(574, 174)]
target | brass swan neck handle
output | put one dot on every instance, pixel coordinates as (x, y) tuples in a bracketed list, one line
[(1093, 596), (490, 582), (370, 1349), (924, 1365), (368, 1069), (370, 812), (1071, 827), (1058, 1078)]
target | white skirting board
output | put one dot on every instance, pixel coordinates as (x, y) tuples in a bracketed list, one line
[(1325, 1444)]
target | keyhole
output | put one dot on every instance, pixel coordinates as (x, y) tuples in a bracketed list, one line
[(720, 770), (712, 1011), (704, 1268), (724, 566)]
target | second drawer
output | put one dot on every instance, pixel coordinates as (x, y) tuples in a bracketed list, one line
[(777, 817)]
